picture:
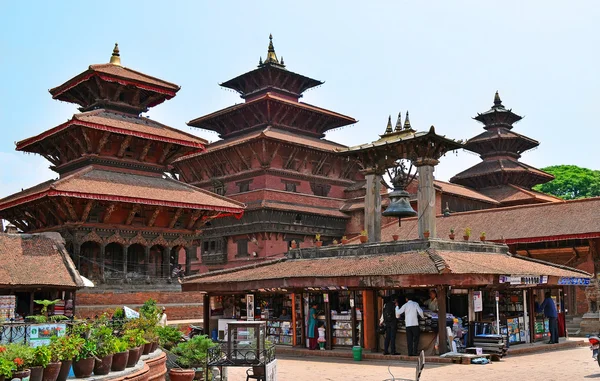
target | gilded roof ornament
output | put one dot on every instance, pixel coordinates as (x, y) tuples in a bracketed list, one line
[(399, 123), (115, 59), (271, 56), (497, 100), (407, 125), (388, 129)]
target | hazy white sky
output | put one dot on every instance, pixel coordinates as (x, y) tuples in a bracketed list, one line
[(442, 60)]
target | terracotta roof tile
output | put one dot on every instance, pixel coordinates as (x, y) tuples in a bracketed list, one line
[(513, 193), (462, 191), (405, 263), (90, 183), (303, 209), (501, 165), (528, 223), (28, 260)]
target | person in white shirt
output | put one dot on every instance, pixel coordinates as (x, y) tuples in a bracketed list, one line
[(411, 311), (163, 318)]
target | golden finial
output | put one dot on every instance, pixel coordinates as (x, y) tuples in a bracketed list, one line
[(407, 122), (399, 123), (497, 100), (271, 56), (260, 61), (388, 129), (115, 59), (281, 61)]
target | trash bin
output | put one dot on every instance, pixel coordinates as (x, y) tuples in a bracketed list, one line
[(357, 353), (214, 335)]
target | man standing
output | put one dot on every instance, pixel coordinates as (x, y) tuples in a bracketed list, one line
[(411, 311), (549, 309), (162, 322), (389, 318)]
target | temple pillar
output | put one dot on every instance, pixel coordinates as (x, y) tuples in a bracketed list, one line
[(188, 259), (102, 259), (125, 250), (147, 261), (77, 254), (167, 262), (426, 196), (373, 206)]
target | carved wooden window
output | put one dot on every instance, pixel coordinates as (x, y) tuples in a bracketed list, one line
[(244, 186), (219, 189), (320, 189), (290, 186), (242, 248)]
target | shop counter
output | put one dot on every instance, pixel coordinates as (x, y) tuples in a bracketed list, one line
[(427, 341)]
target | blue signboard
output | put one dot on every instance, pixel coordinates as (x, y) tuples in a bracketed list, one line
[(574, 281)]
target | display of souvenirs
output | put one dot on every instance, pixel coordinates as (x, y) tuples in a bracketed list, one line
[(279, 332), (8, 304)]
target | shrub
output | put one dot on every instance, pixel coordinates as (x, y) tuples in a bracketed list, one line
[(134, 338), (192, 353), (7, 367), (168, 336), (105, 341), (21, 355), (66, 348), (121, 346), (88, 349), (41, 356)]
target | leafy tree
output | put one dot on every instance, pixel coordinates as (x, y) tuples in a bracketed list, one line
[(571, 182)]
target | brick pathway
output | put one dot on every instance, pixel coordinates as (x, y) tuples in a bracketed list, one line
[(571, 364)]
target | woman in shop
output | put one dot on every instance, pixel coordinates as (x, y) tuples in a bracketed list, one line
[(432, 303), (312, 327)]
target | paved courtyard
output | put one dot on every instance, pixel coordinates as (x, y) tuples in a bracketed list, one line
[(571, 364)]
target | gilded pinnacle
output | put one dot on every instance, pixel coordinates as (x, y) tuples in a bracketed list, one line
[(407, 125), (497, 100), (399, 123), (271, 56), (115, 59), (388, 129)]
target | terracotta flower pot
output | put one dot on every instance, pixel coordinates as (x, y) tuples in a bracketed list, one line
[(294, 245), (102, 366), (482, 239), (65, 367), (364, 239), (51, 371), (182, 374), (466, 237), (36, 373), (452, 236), (344, 241), (154, 346), (1, 378), (134, 356), (119, 361), (426, 235), (83, 368), (146, 348), (23, 375), (319, 243), (395, 237)]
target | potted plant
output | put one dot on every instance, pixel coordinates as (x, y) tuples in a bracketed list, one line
[(344, 240), (22, 357), (41, 358), (335, 242), (395, 237), (363, 236), (105, 349), (151, 337), (318, 241), (467, 234), (426, 234), (168, 336), (52, 368), (7, 368), (65, 349), (135, 340), (121, 356), (482, 236), (452, 234), (191, 358), (83, 364), (294, 244)]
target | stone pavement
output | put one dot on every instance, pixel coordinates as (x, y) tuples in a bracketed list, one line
[(571, 364)]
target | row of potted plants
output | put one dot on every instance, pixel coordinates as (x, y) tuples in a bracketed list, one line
[(466, 235), (98, 347), (363, 239)]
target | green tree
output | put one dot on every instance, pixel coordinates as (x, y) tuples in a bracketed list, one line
[(571, 182)]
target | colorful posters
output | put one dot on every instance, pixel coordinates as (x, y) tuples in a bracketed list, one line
[(477, 301), (41, 334)]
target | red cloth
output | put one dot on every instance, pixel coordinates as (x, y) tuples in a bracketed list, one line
[(561, 325), (312, 341)]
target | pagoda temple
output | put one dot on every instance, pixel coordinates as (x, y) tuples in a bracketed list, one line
[(124, 218), (273, 158), (501, 176)]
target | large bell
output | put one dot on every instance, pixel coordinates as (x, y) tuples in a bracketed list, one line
[(399, 205)]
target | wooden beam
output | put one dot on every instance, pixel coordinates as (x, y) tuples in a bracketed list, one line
[(165, 152), (70, 209), (86, 211), (131, 215), (124, 145), (242, 158), (145, 150), (108, 212), (86, 138), (193, 218), (103, 141), (153, 217), (176, 216)]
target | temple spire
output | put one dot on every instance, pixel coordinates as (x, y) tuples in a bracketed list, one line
[(407, 125), (115, 59), (388, 129), (399, 123), (497, 100), (271, 56)]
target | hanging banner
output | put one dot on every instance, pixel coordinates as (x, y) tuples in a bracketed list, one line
[(249, 307), (477, 301), (523, 279)]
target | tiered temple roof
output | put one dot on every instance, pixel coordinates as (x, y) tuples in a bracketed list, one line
[(500, 149)]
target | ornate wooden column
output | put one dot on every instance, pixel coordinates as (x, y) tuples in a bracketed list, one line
[(188, 259), (125, 250), (426, 196), (102, 260), (77, 254), (373, 206), (147, 261), (167, 261)]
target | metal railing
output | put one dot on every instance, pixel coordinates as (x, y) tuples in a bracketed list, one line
[(223, 355)]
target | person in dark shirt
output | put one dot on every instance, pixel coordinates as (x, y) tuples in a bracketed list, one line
[(549, 309), (284, 315)]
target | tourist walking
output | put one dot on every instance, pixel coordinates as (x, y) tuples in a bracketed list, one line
[(549, 309), (412, 311)]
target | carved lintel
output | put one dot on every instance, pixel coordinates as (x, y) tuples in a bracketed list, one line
[(91, 237), (116, 238), (139, 239), (161, 241)]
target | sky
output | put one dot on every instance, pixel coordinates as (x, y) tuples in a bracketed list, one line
[(441, 60)]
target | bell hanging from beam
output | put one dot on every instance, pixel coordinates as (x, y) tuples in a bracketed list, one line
[(399, 205)]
